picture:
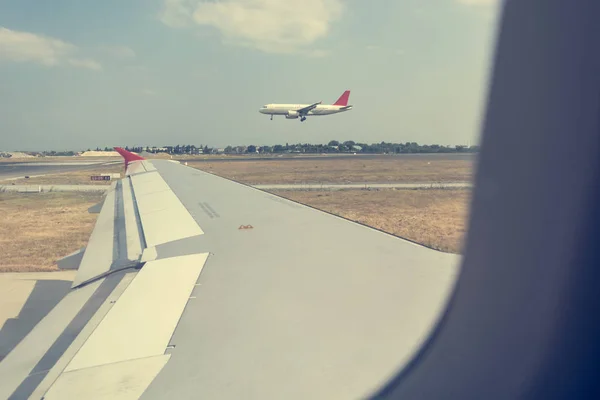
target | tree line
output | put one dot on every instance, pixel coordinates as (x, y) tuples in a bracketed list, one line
[(333, 146)]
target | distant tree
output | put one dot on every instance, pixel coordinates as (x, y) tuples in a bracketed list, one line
[(228, 150), (251, 149), (334, 143), (278, 148), (349, 143)]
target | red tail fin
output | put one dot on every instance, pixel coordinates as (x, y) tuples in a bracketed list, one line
[(343, 100), (128, 156)]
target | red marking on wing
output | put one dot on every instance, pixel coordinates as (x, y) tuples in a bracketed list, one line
[(343, 100), (128, 156)]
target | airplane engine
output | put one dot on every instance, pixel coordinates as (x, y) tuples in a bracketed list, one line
[(291, 115)]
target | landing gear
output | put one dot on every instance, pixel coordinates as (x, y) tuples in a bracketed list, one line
[(271, 117), (302, 119)]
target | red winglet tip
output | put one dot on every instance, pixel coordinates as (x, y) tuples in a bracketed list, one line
[(128, 156)]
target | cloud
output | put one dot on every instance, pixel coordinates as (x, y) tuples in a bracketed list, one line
[(178, 13), (27, 47), (119, 51), (85, 63), (273, 26), (18, 46)]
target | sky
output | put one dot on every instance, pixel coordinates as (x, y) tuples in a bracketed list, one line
[(85, 74)]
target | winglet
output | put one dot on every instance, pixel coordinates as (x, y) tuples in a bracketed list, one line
[(343, 100), (128, 156)]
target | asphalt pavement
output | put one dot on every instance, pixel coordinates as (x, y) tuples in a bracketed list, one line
[(14, 170)]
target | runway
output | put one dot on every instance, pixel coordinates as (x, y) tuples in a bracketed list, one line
[(15, 170)]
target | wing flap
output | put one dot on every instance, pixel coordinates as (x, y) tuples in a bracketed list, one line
[(148, 184), (159, 207), (122, 381), (141, 322), (108, 302), (31, 356)]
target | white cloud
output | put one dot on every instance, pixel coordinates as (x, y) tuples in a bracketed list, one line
[(18, 46), (273, 26), (28, 47), (85, 63), (119, 51)]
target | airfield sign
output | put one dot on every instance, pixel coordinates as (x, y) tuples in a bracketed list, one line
[(105, 177)]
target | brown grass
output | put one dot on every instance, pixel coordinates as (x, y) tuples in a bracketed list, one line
[(435, 218), (81, 177), (38, 229), (341, 170)]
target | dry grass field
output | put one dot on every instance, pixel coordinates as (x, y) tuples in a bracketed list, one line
[(38, 229), (435, 218), (345, 170)]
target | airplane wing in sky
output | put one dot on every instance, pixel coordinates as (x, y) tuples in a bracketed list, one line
[(307, 109), (195, 286)]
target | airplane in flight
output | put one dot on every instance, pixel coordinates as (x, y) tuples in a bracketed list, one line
[(295, 111), (196, 286)]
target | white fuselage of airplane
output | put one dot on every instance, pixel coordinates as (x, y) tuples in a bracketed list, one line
[(285, 109), (301, 111)]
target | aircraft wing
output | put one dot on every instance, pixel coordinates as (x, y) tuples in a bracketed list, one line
[(306, 109), (195, 286)]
